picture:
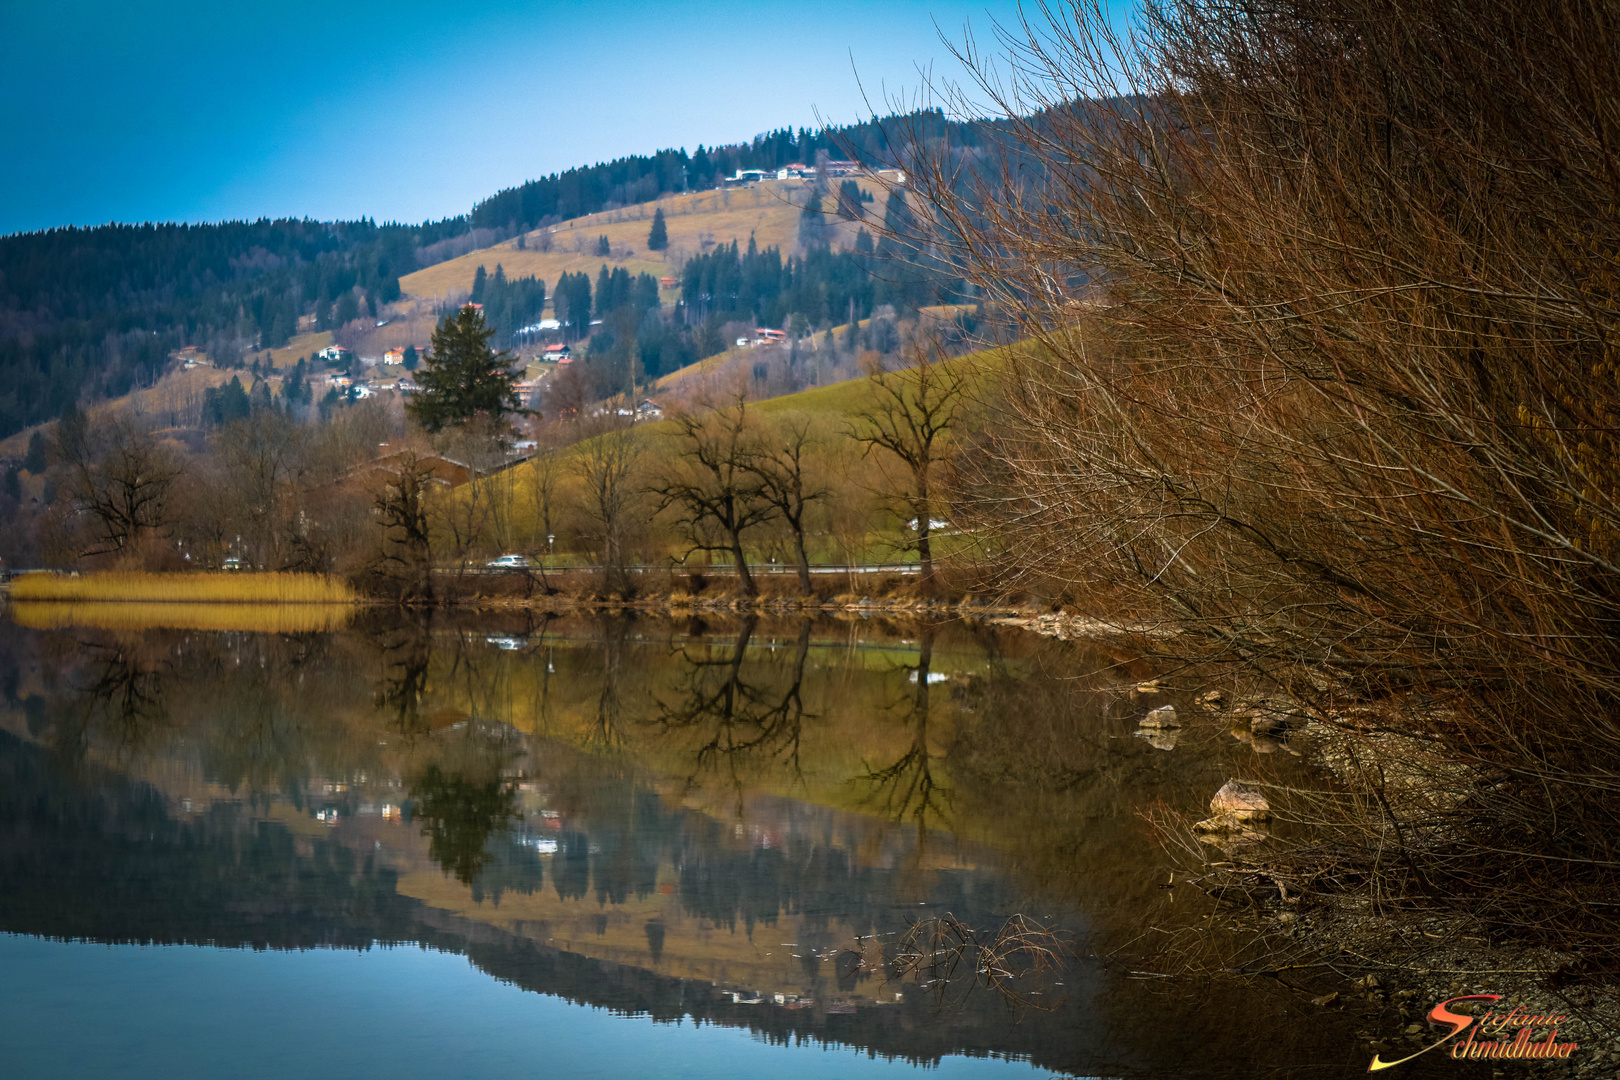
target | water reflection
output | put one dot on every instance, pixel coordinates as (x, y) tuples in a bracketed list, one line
[(907, 786), (746, 716), (739, 823)]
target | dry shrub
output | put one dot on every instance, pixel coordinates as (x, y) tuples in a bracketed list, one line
[(1021, 959), (1324, 383)]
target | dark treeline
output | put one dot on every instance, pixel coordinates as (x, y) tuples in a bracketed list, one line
[(824, 285), (640, 178), (96, 311), (508, 304)]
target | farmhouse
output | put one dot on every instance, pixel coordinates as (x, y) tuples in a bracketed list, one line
[(557, 354), (393, 357)]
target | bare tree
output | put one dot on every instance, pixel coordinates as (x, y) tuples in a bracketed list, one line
[(544, 473), (606, 466), (479, 511), (402, 506), (910, 415), (779, 463), (119, 474), (255, 455), (709, 482), (1323, 300)]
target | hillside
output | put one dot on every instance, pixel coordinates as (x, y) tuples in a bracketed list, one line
[(858, 524), (696, 222), (91, 313)]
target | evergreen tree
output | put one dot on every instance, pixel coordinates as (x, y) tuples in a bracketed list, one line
[(573, 304), (14, 484), (224, 404), (603, 247), (480, 283), (347, 309), (898, 223), (811, 223), (34, 461), (409, 359), (464, 377), (850, 197), (658, 236)]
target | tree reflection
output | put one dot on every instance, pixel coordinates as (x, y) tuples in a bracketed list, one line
[(122, 701), (741, 720), (605, 734), (907, 787), (407, 652), (459, 815)]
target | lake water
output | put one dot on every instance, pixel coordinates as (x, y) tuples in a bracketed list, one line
[(607, 847)]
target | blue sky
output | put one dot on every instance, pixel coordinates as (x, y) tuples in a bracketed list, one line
[(199, 111)]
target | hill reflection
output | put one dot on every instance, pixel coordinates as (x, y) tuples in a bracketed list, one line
[(729, 823)]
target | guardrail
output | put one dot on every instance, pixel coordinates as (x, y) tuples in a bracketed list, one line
[(727, 569)]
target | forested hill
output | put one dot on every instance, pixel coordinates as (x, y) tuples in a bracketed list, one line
[(884, 141), (94, 312), (87, 313)]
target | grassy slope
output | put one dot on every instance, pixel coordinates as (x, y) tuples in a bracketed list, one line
[(770, 211), (831, 405), (680, 377)]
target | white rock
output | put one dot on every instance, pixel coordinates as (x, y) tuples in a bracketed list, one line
[(1240, 803), (1162, 717)]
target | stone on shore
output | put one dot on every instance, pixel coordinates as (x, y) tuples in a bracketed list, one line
[(1240, 802), (1162, 717)]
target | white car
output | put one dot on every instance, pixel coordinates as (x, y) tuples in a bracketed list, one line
[(509, 562)]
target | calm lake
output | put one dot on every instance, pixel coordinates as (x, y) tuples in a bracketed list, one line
[(608, 847)]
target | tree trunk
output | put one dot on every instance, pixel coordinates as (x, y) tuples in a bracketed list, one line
[(925, 548), (743, 575), (804, 558)]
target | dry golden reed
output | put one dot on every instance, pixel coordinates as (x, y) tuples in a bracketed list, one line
[(143, 588), (115, 615)]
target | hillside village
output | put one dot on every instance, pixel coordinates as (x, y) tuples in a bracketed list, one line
[(376, 358), (370, 366)]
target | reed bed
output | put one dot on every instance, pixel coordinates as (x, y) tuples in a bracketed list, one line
[(197, 588), (122, 615)]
